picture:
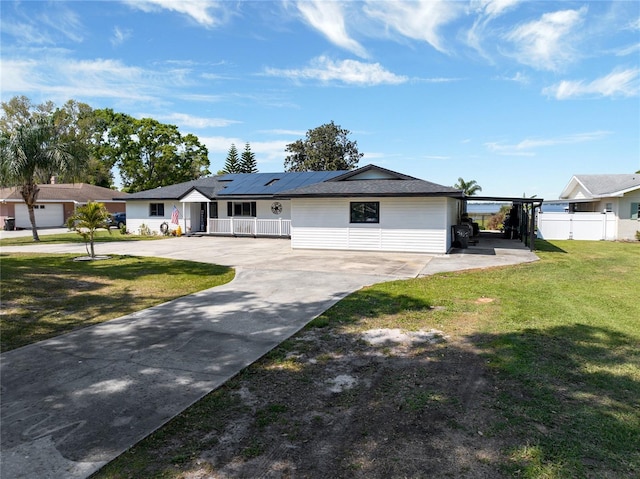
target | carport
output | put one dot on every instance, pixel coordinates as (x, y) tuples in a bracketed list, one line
[(522, 216)]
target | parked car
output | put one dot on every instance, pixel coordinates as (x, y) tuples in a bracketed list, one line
[(117, 220)]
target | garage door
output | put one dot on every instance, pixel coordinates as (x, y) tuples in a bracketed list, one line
[(47, 215)]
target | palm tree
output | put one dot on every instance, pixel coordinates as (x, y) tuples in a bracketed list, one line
[(86, 220), (469, 188), (30, 149)]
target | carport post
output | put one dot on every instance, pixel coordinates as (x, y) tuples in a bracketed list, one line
[(532, 226)]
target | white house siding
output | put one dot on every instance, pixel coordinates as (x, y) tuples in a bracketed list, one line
[(628, 226), (406, 224), (189, 207)]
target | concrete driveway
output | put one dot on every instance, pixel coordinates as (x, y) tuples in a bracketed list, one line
[(73, 403)]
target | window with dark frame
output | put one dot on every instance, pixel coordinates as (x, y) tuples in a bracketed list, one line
[(156, 209), (365, 211), (241, 208)]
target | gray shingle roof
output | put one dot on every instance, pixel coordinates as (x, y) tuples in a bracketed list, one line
[(373, 187), (602, 185), (79, 192), (207, 186), (369, 180)]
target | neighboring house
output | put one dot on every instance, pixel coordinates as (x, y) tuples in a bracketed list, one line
[(56, 203), (370, 208), (600, 207)]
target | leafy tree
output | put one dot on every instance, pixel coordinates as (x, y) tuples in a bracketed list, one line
[(325, 148), (248, 163), (148, 153), (30, 149), (232, 163), (470, 188), (86, 220), (75, 124), (19, 111)]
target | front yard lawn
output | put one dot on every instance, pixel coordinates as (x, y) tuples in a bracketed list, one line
[(46, 295), (530, 371)]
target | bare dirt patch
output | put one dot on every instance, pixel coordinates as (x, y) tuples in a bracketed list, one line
[(382, 403)]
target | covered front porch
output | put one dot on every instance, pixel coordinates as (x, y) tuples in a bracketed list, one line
[(231, 218)]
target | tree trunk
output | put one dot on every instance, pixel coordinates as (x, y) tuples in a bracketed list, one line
[(92, 254), (29, 194)]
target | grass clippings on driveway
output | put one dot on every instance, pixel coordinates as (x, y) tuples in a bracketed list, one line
[(530, 371), (46, 295)]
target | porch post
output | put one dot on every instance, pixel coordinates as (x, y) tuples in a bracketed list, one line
[(184, 218)]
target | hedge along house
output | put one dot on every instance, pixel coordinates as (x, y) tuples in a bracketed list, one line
[(600, 207)]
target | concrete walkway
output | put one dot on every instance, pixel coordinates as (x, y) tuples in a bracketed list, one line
[(73, 403)]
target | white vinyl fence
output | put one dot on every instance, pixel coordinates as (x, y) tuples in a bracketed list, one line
[(577, 226)]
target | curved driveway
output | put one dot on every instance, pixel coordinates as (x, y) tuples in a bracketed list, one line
[(73, 403)]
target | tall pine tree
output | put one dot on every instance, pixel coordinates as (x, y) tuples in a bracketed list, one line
[(232, 163), (248, 163)]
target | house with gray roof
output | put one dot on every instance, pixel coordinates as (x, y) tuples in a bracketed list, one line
[(374, 209), (600, 207), (369, 209)]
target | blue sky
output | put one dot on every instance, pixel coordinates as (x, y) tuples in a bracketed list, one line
[(516, 95)]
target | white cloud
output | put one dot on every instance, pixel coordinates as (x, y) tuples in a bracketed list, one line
[(191, 121), (119, 36), (198, 10), (418, 20), (351, 72), (53, 27), (59, 78), (328, 18), (487, 11), (618, 83), (546, 43), (525, 147), (494, 8)]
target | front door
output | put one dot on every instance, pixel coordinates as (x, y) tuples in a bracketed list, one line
[(203, 217)]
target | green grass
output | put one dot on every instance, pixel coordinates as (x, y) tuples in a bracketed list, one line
[(102, 236), (560, 339), (561, 335), (47, 295)]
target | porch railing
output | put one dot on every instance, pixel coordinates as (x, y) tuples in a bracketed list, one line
[(250, 227)]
